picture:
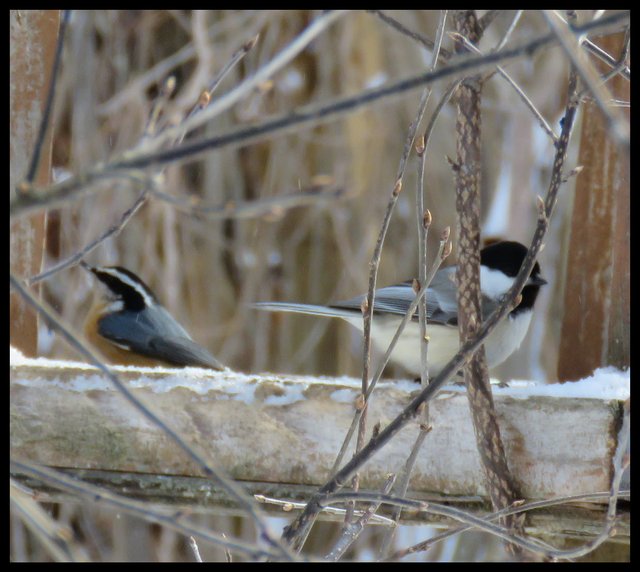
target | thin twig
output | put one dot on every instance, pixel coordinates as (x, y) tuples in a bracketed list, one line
[(369, 303), (352, 531), (236, 57), (268, 206), (539, 117), (282, 58), (173, 519), (546, 503), (289, 505), (168, 87), (424, 216), (377, 253), (571, 45), (79, 255), (54, 195), (194, 548), (487, 19), (367, 311), (509, 31), (424, 221), (51, 95), (56, 538), (601, 54), (416, 36)]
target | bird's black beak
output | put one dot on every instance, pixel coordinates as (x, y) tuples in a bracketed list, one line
[(536, 281), (86, 266)]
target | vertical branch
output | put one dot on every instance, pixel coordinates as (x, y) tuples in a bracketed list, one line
[(424, 222), (368, 305), (367, 311), (467, 169)]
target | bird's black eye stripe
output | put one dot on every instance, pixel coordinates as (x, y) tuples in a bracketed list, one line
[(126, 286)]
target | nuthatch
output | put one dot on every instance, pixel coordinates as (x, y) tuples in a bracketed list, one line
[(130, 327)]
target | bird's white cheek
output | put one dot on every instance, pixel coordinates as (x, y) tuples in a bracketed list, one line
[(494, 283), (115, 306)]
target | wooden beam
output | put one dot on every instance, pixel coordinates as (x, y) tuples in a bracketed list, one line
[(285, 431)]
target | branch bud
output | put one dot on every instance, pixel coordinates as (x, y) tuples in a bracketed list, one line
[(447, 250), (426, 218)]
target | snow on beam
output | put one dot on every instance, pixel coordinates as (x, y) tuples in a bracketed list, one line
[(288, 429)]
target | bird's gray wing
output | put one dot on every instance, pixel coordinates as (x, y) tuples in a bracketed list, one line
[(155, 334), (394, 299), (441, 299), (184, 352)]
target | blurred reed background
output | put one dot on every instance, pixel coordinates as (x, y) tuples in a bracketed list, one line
[(207, 271)]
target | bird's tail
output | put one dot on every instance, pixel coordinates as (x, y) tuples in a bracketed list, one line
[(309, 309)]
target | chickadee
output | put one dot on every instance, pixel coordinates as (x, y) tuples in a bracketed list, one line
[(130, 327), (500, 263)]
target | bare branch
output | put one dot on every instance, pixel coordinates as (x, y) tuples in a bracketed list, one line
[(319, 25), (174, 519), (509, 31), (426, 42), (519, 508), (38, 199), (352, 531), (571, 45), (209, 469), (270, 206), (76, 257), (541, 120), (464, 353), (51, 95)]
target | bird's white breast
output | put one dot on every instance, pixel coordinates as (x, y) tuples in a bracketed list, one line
[(443, 341)]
